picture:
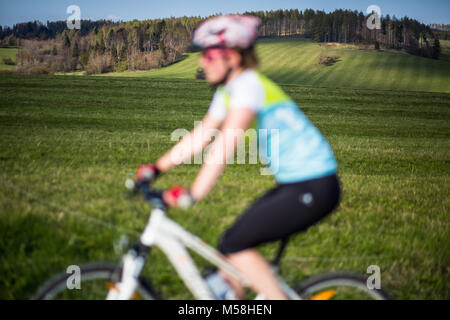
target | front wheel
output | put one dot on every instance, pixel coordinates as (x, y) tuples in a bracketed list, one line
[(339, 286), (96, 279)]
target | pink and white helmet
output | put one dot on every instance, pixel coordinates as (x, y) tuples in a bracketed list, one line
[(229, 31)]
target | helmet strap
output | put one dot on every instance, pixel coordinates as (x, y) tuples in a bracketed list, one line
[(225, 77)]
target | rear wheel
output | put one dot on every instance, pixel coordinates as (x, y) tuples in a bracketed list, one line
[(339, 286), (96, 281)]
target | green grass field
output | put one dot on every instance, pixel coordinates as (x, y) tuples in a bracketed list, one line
[(295, 61), (445, 50), (7, 53), (445, 43), (68, 143)]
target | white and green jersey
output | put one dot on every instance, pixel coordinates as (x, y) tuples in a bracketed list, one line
[(303, 153)]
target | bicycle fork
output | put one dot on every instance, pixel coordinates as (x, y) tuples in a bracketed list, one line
[(133, 262)]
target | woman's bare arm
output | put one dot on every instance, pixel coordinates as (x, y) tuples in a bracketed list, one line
[(190, 144), (236, 122)]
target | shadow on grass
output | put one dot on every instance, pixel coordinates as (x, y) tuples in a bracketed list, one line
[(329, 60)]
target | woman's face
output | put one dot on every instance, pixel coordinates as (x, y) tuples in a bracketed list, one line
[(215, 64)]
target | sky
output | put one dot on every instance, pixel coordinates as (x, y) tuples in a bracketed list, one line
[(14, 11)]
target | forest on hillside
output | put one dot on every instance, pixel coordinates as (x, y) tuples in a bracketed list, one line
[(105, 46)]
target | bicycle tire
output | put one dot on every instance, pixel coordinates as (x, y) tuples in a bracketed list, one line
[(315, 285), (92, 271)]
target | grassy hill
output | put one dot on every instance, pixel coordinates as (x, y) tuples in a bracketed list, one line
[(295, 61)]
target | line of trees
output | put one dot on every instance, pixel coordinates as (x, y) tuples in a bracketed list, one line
[(442, 31), (102, 46), (37, 30), (441, 27), (348, 26), (135, 45)]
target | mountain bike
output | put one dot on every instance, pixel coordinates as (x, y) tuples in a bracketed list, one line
[(123, 280)]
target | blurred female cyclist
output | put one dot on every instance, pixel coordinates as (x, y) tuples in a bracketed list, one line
[(304, 167)]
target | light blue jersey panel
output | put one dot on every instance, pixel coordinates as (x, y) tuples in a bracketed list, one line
[(295, 149)]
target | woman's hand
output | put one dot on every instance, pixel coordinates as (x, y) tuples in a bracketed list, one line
[(147, 173), (178, 196)]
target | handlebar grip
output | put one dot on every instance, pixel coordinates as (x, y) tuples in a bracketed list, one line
[(153, 196), (131, 185)]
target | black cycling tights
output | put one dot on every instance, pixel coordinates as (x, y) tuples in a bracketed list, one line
[(282, 211)]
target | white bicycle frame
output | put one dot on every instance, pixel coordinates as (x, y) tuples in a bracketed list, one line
[(172, 239)]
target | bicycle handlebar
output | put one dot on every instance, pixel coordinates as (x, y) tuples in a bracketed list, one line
[(153, 196)]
